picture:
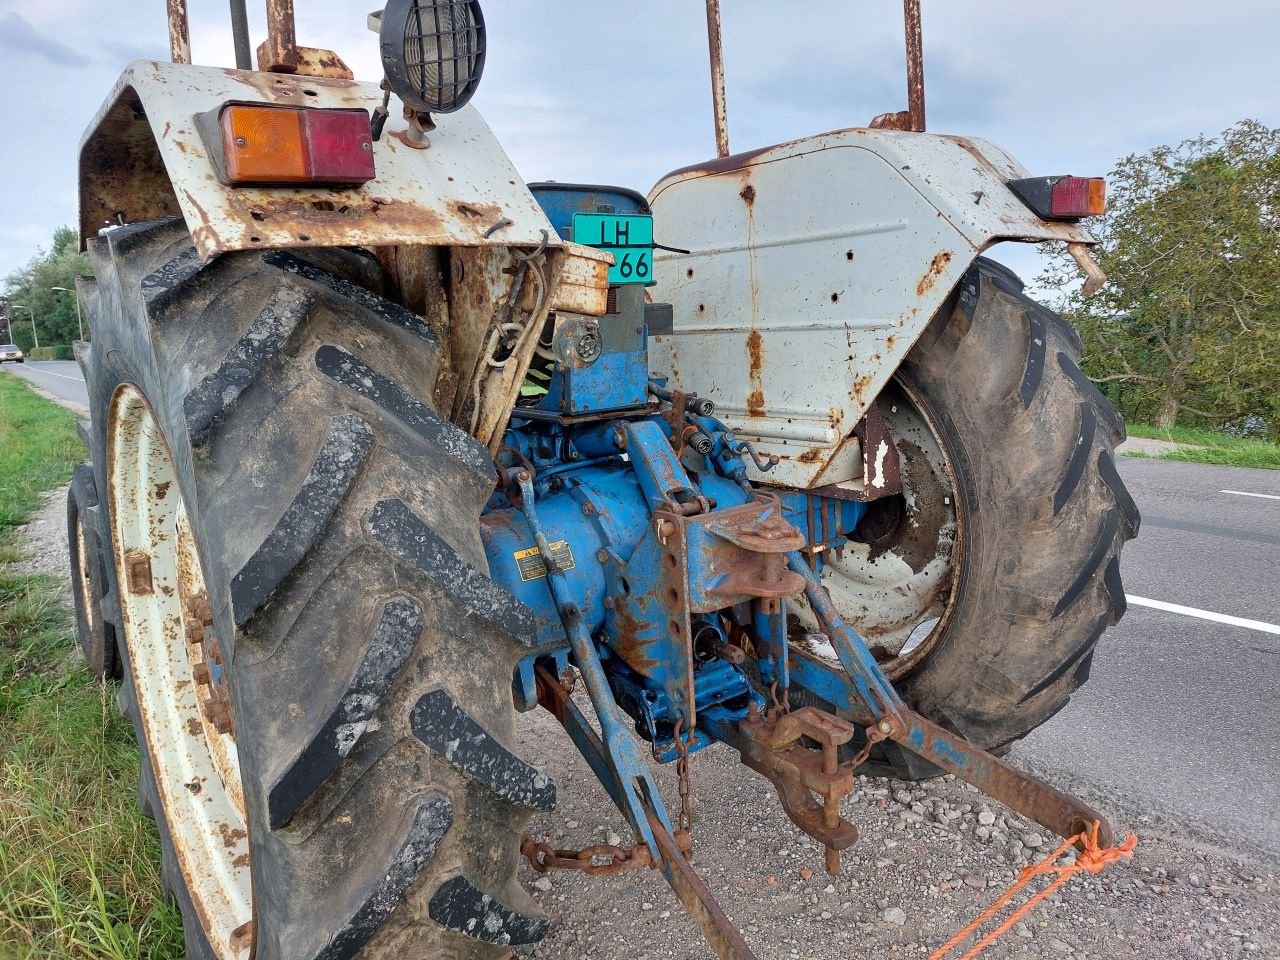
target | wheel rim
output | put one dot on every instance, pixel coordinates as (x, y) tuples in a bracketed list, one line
[(899, 591), (182, 697)]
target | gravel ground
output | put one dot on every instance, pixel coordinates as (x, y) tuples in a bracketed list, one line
[(932, 856), (46, 537)]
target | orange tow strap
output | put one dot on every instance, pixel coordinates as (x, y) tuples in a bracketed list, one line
[(1091, 859)]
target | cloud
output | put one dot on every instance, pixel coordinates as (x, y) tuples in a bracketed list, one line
[(126, 51), (20, 37), (619, 93)]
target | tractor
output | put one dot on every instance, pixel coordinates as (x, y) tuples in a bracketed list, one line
[(390, 447)]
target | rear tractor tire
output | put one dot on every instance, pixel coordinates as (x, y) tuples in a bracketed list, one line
[(316, 665), (990, 582)]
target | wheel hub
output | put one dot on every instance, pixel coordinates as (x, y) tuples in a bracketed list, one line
[(898, 588)]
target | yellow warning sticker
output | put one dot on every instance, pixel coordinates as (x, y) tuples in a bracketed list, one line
[(530, 562)]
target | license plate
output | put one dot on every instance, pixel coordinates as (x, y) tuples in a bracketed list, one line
[(629, 238)]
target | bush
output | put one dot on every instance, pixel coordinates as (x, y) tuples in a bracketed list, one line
[(60, 351)]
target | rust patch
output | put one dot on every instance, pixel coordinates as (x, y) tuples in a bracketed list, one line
[(722, 164), (194, 727), (230, 835), (890, 341), (892, 121), (755, 351), (755, 363), (627, 631), (162, 489), (939, 264), (861, 385), (329, 221), (812, 455), (748, 194), (490, 213)]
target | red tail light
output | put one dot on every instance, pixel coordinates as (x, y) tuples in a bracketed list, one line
[(269, 144), (1062, 197), (1078, 197)]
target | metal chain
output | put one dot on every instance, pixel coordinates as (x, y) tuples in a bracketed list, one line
[(783, 706), (682, 776), (603, 859), (874, 734), (600, 860)]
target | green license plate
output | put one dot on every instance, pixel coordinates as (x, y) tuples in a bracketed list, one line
[(628, 238)]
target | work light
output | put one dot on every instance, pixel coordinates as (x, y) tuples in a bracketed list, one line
[(433, 52)]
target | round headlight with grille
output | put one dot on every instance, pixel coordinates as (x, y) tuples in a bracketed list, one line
[(433, 52)]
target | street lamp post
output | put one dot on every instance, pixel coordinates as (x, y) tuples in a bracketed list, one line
[(79, 322), (34, 333)]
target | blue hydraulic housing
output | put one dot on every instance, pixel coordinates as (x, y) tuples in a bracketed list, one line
[(664, 558)]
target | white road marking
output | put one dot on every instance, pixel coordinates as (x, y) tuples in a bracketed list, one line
[(60, 376), (1205, 614), (1242, 493)]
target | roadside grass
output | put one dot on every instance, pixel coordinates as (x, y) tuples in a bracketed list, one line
[(1208, 446), (79, 874)]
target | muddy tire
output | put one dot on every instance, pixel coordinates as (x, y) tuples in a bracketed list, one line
[(313, 553), (1041, 515), (89, 577)]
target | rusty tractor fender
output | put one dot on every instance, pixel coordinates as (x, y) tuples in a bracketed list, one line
[(815, 266), (144, 158)]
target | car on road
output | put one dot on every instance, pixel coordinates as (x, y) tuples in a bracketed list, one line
[(10, 351)]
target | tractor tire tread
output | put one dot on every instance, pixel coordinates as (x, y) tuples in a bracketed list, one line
[(1031, 440), (336, 628)]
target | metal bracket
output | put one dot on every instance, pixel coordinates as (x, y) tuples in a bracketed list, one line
[(774, 748)]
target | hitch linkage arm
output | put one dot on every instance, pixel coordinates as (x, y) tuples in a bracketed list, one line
[(618, 762), (875, 703)]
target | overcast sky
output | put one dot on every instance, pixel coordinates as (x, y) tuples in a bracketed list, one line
[(617, 92)]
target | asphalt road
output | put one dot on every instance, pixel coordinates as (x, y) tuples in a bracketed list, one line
[(1179, 726), (59, 377)]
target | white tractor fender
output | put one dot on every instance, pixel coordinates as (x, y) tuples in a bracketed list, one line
[(815, 266), (144, 158)]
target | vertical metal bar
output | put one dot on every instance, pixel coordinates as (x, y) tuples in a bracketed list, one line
[(281, 48), (240, 35), (179, 32), (915, 64), (718, 101)]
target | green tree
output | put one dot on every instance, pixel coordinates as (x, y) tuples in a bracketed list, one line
[(33, 286), (1188, 326)]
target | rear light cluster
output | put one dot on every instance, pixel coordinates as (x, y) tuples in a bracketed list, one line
[(1063, 198), (268, 144)]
